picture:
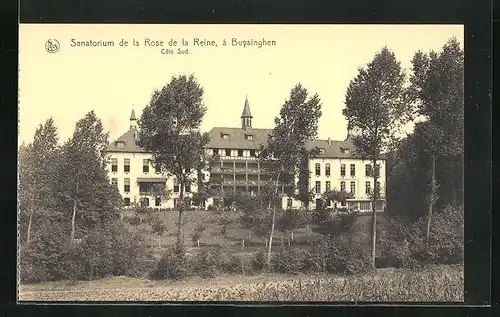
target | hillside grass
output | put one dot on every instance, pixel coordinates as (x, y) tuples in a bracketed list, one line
[(235, 233)]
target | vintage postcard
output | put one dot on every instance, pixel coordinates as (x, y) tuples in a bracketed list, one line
[(241, 163)]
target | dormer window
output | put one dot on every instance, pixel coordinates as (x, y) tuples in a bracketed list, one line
[(120, 145), (249, 137), (345, 151), (224, 136)]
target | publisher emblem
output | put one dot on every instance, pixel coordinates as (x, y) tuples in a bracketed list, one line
[(52, 46)]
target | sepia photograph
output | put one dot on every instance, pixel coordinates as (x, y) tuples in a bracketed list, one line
[(230, 163)]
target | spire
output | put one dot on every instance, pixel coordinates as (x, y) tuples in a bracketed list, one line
[(133, 120), (246, 116), (246, 109)]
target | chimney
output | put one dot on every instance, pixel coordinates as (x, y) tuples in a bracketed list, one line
[(329, 141)]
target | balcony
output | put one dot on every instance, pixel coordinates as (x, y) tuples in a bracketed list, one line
[(237, 170), (238, 158), (243, 183)]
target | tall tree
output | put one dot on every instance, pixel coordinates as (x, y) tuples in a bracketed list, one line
[(304, 191), (84, 183), (375, 110), (281, 155), (406, 184), (437, 87), (169, 128), (38, 168)]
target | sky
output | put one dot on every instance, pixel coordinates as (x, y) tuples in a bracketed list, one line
[(114, 80)]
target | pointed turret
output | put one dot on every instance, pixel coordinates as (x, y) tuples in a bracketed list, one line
[(133, 120), (246, 116)]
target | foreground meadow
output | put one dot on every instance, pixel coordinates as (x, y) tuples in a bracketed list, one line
[(431, 284)]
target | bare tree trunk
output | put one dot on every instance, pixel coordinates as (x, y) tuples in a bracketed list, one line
[(432, 198), (180, 237), (273, 220), (291, 235), (29, 226), (159, 241), (73, 218), (374, 212)]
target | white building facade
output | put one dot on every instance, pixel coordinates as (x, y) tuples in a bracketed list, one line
[(131, 170), (238, 169), (337, 168)]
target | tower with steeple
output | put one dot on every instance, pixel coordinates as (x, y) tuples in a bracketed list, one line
[(133, 120), (246, 116)]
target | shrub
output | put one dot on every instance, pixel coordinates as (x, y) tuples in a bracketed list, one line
[(174, 263), (320, 216), (316, 259), (133, 220), (289, 260), (131, 255), (208, 262), (210, 208), (396, 254), (111, 251), (351, 258), (338, 254), (41, 259), (394, 239), (341, 222), (234, 264), (259, 261), (446, 240), (197, 232)]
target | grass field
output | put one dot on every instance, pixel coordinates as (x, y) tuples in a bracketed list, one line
[(432, 284)]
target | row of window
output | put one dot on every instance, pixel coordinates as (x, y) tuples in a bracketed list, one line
[(343, 187), (126, 186), (144, 202), (368, 169), (228, 152), (247, 123), (126, 166)]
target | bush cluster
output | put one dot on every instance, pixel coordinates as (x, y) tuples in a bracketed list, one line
[(173, 264), (208, 262), (338, 254), (403, 244), (289, 260), (120, 249), (111, 251)]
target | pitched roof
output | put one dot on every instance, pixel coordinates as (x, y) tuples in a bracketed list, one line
[(332, 149), (129, 143), (246, 109), (237, 138), (132, 115)]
